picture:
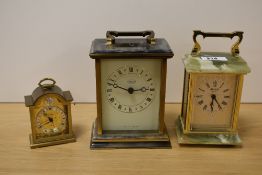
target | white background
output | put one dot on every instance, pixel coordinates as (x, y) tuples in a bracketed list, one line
[(52, 38)]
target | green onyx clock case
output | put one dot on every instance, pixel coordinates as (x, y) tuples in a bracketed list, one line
[(211, 96), (130, 81)]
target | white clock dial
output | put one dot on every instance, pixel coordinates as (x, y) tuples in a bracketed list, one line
[(130, 92), (213, 101), (130, 88)]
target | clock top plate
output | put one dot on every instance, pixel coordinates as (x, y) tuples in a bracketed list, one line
[(215, 62), (130, 48)]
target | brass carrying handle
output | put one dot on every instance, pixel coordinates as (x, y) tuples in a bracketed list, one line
[(110, 35), (234, 48), (47, 86)]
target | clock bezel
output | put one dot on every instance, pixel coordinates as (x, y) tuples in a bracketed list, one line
[(161, 128)]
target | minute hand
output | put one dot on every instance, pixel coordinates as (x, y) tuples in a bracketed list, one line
[(218, 104), (117, 86), (122, 88)]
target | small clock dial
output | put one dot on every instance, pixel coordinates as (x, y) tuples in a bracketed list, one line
[(213, 95), (130, 89), (213, 101), (50, 120)]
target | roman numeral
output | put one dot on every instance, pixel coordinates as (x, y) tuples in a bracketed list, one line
[(109, 90), (199, 96), (221, 85), (130, 110), (131, 69), (148, 99), (120, 72), (215, 83), (224, 103), (152, 89), (201, 89), (111, 79), (200, 102), (226, 90), (120, 107)]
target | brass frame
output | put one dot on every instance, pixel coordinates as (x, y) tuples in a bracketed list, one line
[(160, 135), (235, 110), (52, 140)]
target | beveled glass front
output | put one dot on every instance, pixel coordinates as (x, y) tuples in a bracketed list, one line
[(213, 101), (130, 93)]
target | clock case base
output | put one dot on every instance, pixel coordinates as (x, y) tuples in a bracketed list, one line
[(50, 143), (129, 140), (205, 139)]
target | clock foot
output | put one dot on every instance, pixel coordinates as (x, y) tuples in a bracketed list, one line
[(33, 145), (137, 139), (104, 145), (205, 139)]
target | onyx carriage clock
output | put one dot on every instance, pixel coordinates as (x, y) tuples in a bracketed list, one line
[(130, 81), (212, 90), (50, 115)]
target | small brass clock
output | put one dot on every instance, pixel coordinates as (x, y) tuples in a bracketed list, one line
[(50, 115), (130, 80), (212, 90)]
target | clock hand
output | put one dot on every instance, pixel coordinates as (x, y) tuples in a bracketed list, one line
[(142, 89), (220, 108), (211, 105), (44, 123), (50, 119), (212, 102), (129, 90), (117, 86)]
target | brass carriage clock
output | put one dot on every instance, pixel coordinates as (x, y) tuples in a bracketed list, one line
[(130, 81), (212, 90), (50, 115)]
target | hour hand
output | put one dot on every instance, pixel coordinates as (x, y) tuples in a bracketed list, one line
[(213, 96), (142, 89), (211, 105), (45, 123)]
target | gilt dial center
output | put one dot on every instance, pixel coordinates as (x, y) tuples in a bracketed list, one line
[(50, 119)]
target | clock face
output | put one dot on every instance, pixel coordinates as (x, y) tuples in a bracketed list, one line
[(50, 117), (130, 91), (130, 88), (213, 101)]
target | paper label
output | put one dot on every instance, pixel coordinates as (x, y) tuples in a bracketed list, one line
[(214, 58)]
